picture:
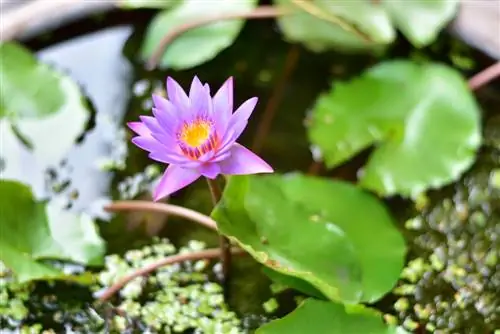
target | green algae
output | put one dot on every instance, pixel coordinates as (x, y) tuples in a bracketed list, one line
[(451, 282)]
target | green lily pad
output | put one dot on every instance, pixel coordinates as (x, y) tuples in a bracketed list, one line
[(421, 20), (32, 231), (422, 118), (323, 317), (336, 24), (360, 25), (199, 45), (29, 88), (312, 229)]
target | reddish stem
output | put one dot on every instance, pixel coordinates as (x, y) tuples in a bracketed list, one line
[(175, 210), (485, 76), (272, 106), (258, 13), (204, 254)]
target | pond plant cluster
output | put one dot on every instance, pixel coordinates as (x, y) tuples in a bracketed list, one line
[(407, 243)]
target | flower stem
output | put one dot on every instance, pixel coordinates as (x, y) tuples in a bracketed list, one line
[(225, 245), (165, 208)]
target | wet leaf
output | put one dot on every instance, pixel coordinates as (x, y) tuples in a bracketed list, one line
[(312, 228), (29, 88), (421, 20), (336, 24), (199, 45), (147, 3), (423, 119), (322, 317), (32, 231)]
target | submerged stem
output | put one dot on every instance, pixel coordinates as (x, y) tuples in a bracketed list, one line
[(276, 96), (225, 245), (203, 254)]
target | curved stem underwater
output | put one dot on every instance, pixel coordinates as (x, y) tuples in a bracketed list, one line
[(175, 210), (264, 126), (204, 254), (261, 12), (225, 245)]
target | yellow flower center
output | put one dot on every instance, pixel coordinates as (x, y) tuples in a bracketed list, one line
[(194, 134)]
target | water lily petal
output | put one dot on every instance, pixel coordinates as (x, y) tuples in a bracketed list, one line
[(173, 179), (210, 170), (151, 123), (243, 161), (139, 128), (167, 117), (166, 139), (223, 106), (177, 95), (167, 158), (199, 97), (242, 114), (149, 144), (239, 121)]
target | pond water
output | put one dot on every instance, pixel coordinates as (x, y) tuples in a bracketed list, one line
[(100, 163)]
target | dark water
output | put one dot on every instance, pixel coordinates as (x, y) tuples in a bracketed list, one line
[(100, 54)]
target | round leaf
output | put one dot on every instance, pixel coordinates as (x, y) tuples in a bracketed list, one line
[(421, 20), (199, 45), (29, 88), (35, 230), (423, 118), (336, 24), (381, 258), (312, 229), (322, 317)]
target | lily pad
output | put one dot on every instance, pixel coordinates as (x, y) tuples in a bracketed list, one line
[(32, 231), (421, 20), (336, 24), (422, 118), (198, 45), (360, 25), (322, 317), (29, 88), (312, 229)]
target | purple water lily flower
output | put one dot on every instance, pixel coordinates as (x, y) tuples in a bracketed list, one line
[(196, 135)]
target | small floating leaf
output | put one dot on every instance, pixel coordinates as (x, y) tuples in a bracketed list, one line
[(315, 231), (323, 317), (423, 119), (32, 231), (198, 45), (421, 20)]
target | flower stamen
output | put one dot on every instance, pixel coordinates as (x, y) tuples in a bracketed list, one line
[(197, 138)]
